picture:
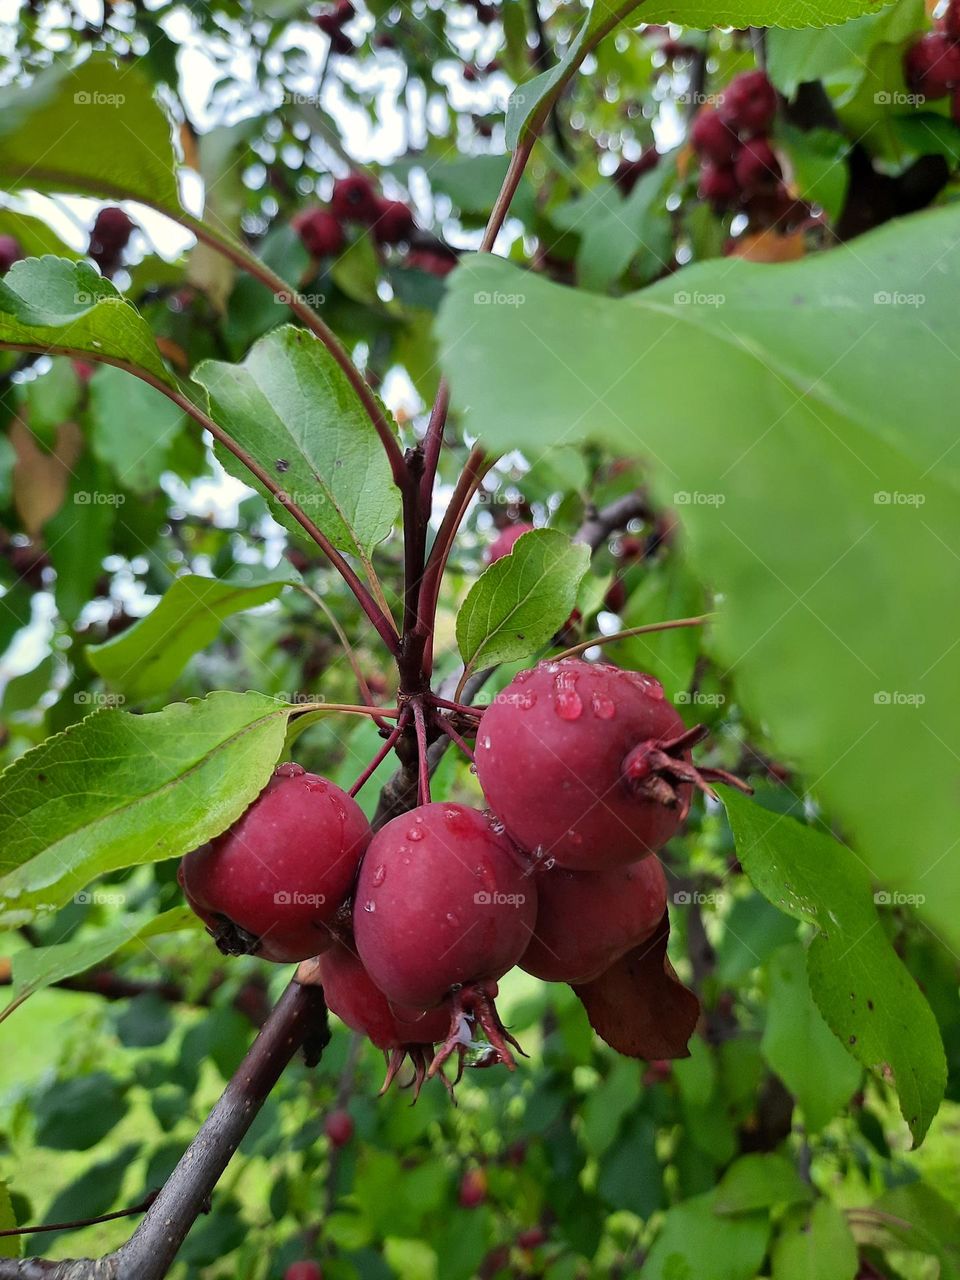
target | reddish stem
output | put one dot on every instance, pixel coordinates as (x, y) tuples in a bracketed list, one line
[(382, 754), (451, 733), (419, 720)]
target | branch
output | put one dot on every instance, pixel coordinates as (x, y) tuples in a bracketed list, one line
[(599, 525), (299, 1017)]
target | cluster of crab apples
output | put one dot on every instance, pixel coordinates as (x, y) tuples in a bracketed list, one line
[(931, 67), (587, 773)]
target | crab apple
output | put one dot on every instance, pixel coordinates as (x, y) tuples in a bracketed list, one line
[(328, 23), (473, 1189), (354, 199), (353, 996), (719, 186), (443, 899), (504, 542), (586, 920), (749, 103), (341, 43), (273, 883), (304, 1270), (320, 231), (10, 252), (931, 67), (629, 172), (712, 138), (436, 261), (756, 166), (531, 1238), (394, 222), (587, 764), (338, 1126), (951, 20), (113, 227)]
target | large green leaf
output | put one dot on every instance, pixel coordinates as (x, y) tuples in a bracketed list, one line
[(696, 1244), (860, 984), (817, 480), (815, 1245), (132, 427), (517, 604), (147, 657), (760, 1181), (289, 404), (50, 302), (119, 790), (94, 128)]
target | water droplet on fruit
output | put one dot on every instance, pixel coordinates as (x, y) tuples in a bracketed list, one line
[(497, 827), (604, 708), (452, 918), (522, 676), (526, 700), (550, 862), (370, 906), (575, 837), (317, 784), (415, 833), (380, 875), (566, 700), (473, 768), (485, 742), (289, 770)]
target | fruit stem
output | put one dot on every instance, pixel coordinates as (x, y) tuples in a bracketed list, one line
[(382, 754), (451, 733), (464, 708), (670, 625), (345, 708), (348, 649), (420, 723)]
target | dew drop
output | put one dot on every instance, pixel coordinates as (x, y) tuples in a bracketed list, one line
[(522, 676), (415, 833), (379, 875), (485, 742), (566, 700), (289, 770), (526, 700), (452, 918), (370, 906), (604, 708)]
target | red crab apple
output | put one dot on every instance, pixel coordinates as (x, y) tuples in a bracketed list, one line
[(757, 166), (504, 542), (718, 185), (473, 1189), (10, 252), (354, 199), (320, 231), (394, 222), (338, 1126), (444, 906), (353, 996), (586, 920), (932, 66), (629, 172), (434, 261), (749, 103), (305, 1270), (712, 138), (587, 764), (272, 883)]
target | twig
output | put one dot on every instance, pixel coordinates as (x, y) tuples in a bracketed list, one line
[(423, 789), (381, 755), (670, 625)]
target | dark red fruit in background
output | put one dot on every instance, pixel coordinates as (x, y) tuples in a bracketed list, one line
[(951, 20), (470, 73), (932, 66), (616, 596), (757, 167), (320, 231), (303, 1271), (394, 222), (272, 883), (328, 23), (628, 172), (338, 1126), (351, 994), (10, 252), (443, 899), (749, 103), (586, 920), (435, 262), (112, 228), (719, 186), (712, 139), (551, 752), (473, 1189), (354, 199), (504, 542), (532, 1238)]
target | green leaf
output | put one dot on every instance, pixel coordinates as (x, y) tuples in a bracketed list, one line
[(50, 302), (820, 173), (132, 427), (696, 1244), (10, 1246), (412, 1259), (95, 127), (78, 535), (918, 1218), (35, 968), (815, 1246), (289, 404), (95, 1192), (16, 606), (805, 401), (52, 400), (860, 984), (148, 657), (120, 790), (75, 1114), (799, 1046), (630, 1176), (521, 601), (760, 1182)]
